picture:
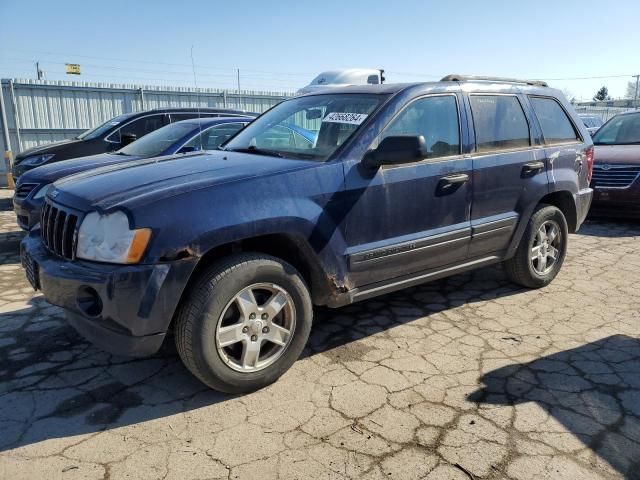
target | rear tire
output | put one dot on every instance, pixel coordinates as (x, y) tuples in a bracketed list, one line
[(244, 322), (542, 249)]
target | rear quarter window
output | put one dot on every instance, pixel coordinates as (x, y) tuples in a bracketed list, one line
[(555, 124), (499, 122)]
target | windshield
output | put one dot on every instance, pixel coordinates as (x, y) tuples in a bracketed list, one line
[(159, 140), (310, 127), (100, 129), (620, 130)]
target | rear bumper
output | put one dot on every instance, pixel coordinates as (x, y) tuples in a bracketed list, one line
[(583, 201), (123, 309)]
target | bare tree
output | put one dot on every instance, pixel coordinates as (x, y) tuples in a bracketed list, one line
[(631, 90)]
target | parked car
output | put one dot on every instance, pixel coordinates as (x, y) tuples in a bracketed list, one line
[(111, 135), (617, 167), (181, 137), (231, 249), (592, 122)]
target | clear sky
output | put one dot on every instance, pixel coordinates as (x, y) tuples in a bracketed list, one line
[(282, 45)]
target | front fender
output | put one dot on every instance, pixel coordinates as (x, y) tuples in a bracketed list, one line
[(304, 205)]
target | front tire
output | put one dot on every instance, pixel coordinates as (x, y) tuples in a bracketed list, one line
[(542, 249), (244, 322)]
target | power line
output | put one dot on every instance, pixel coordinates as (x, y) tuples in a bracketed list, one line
[(67, 55), (229, 76)]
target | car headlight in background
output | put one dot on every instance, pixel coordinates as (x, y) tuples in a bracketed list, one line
[(108, 238), (42, 191), (35, 160)]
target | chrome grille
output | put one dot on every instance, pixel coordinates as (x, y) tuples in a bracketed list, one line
[(58, 230), (25, 189), (614, 176)]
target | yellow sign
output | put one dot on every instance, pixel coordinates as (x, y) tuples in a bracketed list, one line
[(72, 68)]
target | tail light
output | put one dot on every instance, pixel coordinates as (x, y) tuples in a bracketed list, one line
[(589, 154)]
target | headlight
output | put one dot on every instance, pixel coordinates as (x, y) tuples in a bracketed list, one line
[(43, 191), (108, 238), (36, 160)]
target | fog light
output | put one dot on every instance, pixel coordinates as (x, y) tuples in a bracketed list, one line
[(89, 301)]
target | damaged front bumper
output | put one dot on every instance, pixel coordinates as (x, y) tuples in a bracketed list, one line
[(124, 309)]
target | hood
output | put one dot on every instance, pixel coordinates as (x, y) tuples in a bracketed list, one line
[(617, 154), (55, 171), (48, 148), (143, 181)]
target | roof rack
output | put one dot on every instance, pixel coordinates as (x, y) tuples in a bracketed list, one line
[(470, 78)]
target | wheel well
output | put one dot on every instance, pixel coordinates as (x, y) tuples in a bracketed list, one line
[(564, 201), (293, 250)]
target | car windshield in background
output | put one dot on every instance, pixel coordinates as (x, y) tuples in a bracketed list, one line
[(158, 141), (100, 129), (620, 130), (310, 127), (591, 122)]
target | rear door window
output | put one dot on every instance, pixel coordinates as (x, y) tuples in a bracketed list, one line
[(555, 124), (433, 117), (139, 127), (499, 122)]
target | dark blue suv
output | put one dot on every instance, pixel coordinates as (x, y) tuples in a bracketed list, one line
[(231, 249)]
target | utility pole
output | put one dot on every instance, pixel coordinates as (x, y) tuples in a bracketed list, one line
[(239, 81), (38, 71), (635, 97)]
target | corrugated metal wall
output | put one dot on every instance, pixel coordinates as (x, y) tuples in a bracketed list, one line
[(43, 111)]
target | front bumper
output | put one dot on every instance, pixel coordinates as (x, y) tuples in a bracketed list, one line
[(617, 202), (123, 309), (27, 211)]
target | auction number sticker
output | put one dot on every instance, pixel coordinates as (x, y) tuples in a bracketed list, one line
[(351, 118)]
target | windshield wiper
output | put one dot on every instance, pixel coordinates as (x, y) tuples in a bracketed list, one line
[(255, 150)]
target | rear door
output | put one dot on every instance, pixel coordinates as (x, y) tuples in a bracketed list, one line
[(509, 170), (412, 217), (563, 146)]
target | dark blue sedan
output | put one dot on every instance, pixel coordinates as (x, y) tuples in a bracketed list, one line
[(179, 137)]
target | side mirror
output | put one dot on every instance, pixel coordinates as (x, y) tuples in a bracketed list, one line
[(127, 138), (313, 113), (396, 150)]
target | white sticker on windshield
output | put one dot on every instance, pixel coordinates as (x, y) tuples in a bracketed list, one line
[(351, 118)]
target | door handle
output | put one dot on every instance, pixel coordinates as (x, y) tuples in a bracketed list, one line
[(531, 168), (451, 183)]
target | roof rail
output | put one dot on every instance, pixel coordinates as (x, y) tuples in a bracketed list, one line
[(470, 78)]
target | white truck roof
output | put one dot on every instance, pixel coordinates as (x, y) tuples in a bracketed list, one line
[(342, 78)]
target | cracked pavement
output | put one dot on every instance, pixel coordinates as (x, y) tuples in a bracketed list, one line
[(468, 377)]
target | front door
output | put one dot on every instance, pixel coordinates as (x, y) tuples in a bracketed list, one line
[(413, 217)]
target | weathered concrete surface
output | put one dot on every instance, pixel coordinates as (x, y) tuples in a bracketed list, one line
[(464, 378)]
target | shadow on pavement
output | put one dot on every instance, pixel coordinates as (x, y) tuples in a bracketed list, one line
[(54, 384), (610, 228), (592, 390)]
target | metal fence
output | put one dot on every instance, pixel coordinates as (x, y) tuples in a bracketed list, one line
[(34, 112), (605, 113)]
